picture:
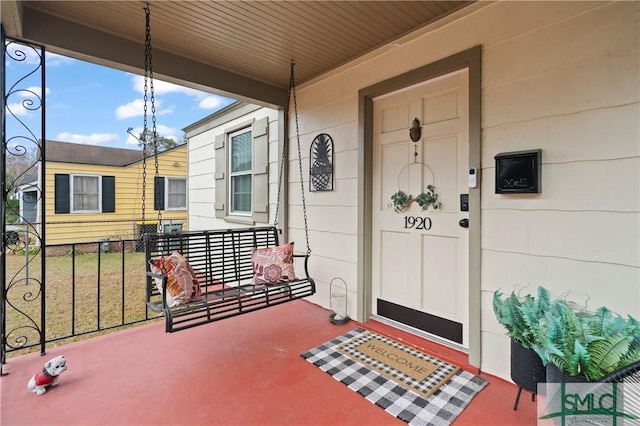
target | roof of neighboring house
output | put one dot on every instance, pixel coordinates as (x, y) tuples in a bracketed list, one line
[(65, 152)]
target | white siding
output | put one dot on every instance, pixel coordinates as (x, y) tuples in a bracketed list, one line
[(570, 88), (560, 76), (202, 166), (201, 182)]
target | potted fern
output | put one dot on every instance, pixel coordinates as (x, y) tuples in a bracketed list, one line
[(520, 315), (571, 343), (577, 345)]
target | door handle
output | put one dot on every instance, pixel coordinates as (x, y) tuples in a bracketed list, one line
[(464, 223)]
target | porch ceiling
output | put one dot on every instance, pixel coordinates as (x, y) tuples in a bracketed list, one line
[(240, 49)]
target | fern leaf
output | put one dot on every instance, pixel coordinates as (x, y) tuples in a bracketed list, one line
[(606, 355), (633, 330), (543, 300)]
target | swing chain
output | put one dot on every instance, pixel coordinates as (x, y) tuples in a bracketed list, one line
[(147, 56), (148, 88), (292, 92)]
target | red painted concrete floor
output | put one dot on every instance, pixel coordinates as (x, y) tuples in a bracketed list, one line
[(245, 370)]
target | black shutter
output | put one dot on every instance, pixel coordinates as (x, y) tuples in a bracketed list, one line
[(260, 187), (62, 203), (158, 193), (108, 194)]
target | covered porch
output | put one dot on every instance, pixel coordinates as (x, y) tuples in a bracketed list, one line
[(245, 370), (559, 78)]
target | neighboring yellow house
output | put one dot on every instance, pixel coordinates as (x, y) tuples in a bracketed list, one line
[(95, 193)]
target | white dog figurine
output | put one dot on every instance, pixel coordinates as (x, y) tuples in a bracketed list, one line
[(48, 376)]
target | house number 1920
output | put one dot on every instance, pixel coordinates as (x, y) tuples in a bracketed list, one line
[(417, 222)]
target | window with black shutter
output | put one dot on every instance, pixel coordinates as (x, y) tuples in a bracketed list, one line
[(80, 193)]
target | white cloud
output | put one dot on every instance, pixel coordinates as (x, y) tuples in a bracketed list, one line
[(30, 99), (211, 102), (166, 131), (38, 90), (160, 87), (135, 108), (54, 60), (92, 139), (31, 56), (203, 100), (21, 53), (17, 109), (132, 109)]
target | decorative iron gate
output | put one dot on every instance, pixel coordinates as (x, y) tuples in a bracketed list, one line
[(22, 118)]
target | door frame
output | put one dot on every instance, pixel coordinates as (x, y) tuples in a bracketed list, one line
[(470, 59)]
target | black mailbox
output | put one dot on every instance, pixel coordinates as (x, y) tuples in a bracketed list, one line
[(518, 172)]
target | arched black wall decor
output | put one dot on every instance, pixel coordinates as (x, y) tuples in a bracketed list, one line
[(321, 169)]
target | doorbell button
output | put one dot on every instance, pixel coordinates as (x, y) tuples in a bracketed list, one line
[(473, 177)]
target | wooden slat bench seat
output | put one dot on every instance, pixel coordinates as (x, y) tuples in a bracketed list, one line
[(223, 266)]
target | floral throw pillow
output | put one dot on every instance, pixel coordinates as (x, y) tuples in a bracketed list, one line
[(182, 284), (273, 265)]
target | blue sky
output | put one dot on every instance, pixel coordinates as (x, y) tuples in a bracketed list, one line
[(95, 105)]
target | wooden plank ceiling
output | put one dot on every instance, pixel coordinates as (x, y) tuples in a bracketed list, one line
[(253, 39)]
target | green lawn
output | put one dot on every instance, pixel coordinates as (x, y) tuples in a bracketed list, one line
[(103, 284)]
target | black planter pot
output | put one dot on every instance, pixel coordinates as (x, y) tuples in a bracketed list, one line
[(526, 370), (554, 375)]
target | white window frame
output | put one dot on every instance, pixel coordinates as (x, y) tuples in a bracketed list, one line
[(232, 174), (166, 192), (72, 193)]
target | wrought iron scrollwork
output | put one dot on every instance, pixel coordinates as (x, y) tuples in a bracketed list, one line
[(22, 150)]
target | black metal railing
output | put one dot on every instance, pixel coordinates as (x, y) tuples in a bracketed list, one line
[(22, 78), (54, 287), (90, 288)]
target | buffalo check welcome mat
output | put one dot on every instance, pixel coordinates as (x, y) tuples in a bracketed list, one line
[(413, 386)]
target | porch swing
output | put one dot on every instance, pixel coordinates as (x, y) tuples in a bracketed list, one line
[(198, 277)]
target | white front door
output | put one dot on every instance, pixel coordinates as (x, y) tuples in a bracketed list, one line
[(420, 257)]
